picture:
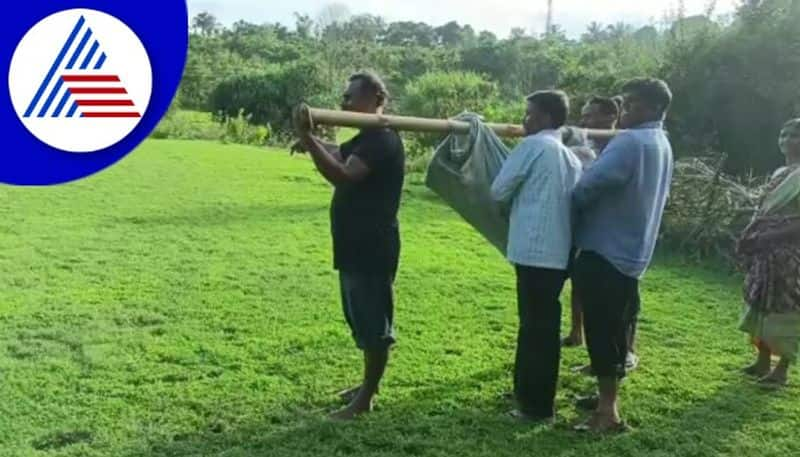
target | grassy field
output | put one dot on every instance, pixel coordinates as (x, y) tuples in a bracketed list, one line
[(182, 303)]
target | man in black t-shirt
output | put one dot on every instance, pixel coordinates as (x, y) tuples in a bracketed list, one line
[(367, 173)]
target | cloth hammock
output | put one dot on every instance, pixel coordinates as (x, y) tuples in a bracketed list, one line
[(463, 169)]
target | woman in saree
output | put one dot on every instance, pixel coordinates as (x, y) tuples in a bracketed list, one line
[(769, 252)]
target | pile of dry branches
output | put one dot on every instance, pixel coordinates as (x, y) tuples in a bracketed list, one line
[(707, 210)]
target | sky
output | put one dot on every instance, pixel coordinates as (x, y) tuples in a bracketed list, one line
[(497, 16)]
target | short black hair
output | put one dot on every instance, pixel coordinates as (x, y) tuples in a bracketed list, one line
[(654, 92), (608, 106), (552, 102), (373, 83)]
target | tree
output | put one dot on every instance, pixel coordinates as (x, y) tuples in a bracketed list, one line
[(407, 33), (557, 33), (518, 33), (486, 38), (330, 15), (452, 34), (690, 27), (362, 28), (595, 33), (731, 86), (619, 31), (647, 35), (446, 94), (303, 25), (205, 24)]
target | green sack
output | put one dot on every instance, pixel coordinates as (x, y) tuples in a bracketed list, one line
[(462, 171)]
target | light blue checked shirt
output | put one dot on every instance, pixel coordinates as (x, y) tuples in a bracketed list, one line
[(537, 179)]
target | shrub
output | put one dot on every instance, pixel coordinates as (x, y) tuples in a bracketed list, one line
[(268, 96)]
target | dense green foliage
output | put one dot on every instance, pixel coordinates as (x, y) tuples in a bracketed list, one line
[(735, 79)]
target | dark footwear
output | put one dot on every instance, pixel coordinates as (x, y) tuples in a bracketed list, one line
[(587, 403), (772, 383), (529, 419), (571, 342), (755, 371)]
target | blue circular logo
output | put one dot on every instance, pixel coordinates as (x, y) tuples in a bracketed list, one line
[(87, 82)]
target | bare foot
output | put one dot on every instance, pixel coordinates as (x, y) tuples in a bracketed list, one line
[(602, 424), (757, 370), (351, 412), (348, 395)]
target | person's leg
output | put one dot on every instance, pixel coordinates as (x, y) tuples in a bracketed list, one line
[(763, 362), (632, 358), (779, 376), (604, 294), (538, 346), (347, 395), (786, 348), (374, 367), (345, 289), (523, 360), (371, 315), (632, 339), (575, 337)]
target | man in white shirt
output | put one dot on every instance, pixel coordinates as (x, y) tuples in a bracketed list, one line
[(537, 180)]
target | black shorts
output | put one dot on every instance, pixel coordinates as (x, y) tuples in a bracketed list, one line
[(368, 304), (610, 302)]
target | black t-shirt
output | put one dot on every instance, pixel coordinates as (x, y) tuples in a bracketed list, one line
[(366, 234)]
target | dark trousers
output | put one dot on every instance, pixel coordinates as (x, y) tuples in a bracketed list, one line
[(538, 341), (610, 307)]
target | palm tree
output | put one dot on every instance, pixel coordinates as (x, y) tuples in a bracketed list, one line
[(619, 30), (595, 32)]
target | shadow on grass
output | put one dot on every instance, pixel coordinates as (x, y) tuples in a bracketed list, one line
[(443, 420)]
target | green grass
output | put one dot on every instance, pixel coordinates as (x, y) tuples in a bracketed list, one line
[(182, 303)]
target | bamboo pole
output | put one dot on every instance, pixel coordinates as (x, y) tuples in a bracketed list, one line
[(420, 124)]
